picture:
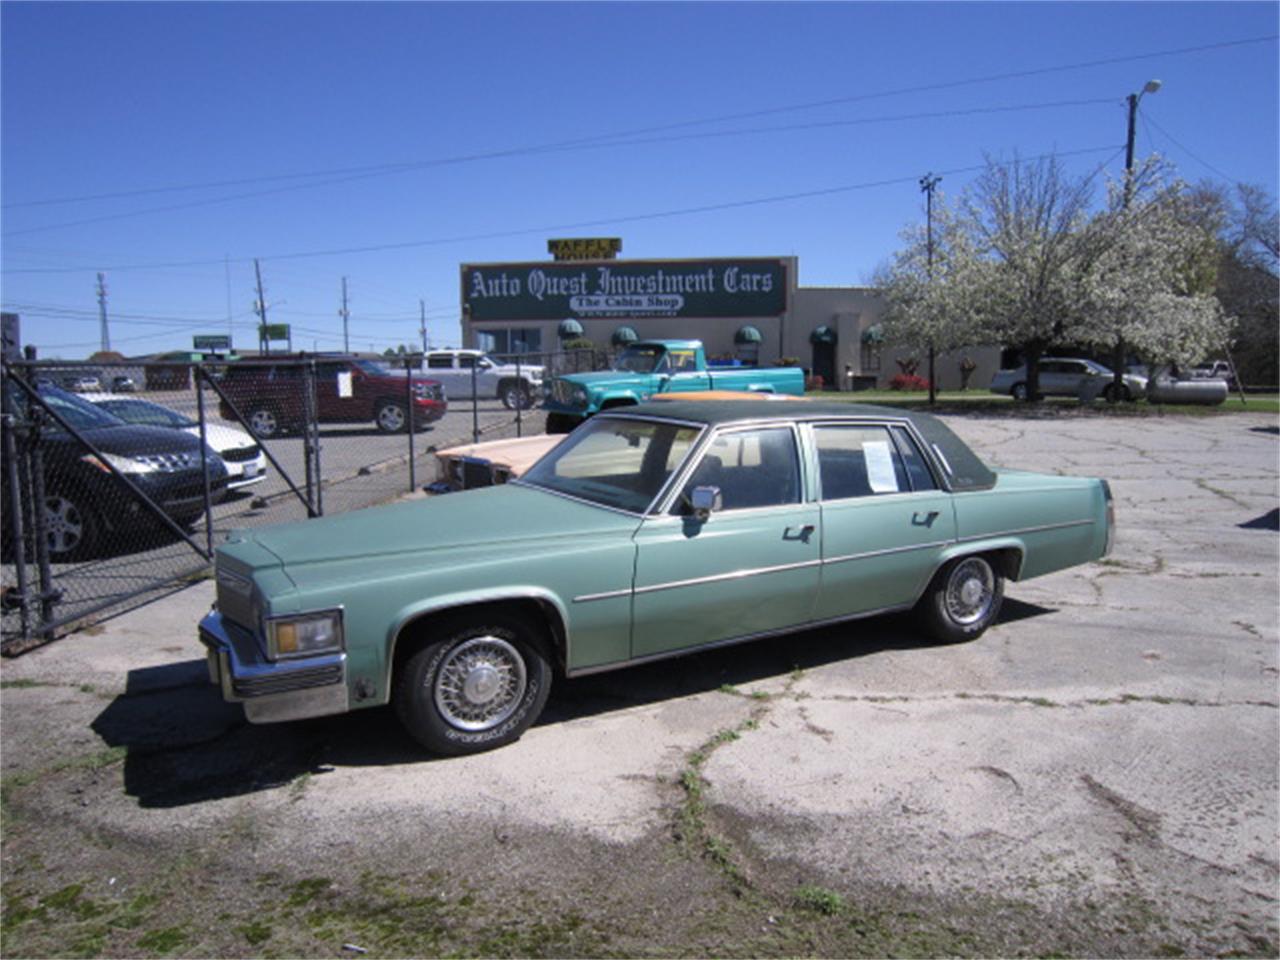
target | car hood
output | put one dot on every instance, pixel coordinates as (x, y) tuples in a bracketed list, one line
[(611, 378), (532, 369), (223, 438), (130, 441), (444, 531)]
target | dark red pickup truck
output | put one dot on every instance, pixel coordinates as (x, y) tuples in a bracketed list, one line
[(270, 394)]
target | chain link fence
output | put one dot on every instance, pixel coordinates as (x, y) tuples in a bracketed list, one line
[(143, 468)]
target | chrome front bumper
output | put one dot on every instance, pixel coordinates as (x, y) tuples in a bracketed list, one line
[(272, 692)]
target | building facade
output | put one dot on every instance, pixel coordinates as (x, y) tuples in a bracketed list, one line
[(749, 309)]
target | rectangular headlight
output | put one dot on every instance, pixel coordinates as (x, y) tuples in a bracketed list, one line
[(306, 635)]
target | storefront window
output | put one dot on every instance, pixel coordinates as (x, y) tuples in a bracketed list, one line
[(870, 357), (526, 340)]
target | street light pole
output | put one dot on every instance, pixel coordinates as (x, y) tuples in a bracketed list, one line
[(927, 184), (1117, 358)]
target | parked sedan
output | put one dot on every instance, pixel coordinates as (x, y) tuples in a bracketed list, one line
[(86, 503), (1065, 377), (246, 463), (645, 534), (81, 383)]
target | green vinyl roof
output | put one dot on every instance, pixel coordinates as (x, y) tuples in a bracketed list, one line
[(965, 471)]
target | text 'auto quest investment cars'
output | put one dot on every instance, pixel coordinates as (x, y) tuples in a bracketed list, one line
[(86, 504), (246, 463), (645, 534)]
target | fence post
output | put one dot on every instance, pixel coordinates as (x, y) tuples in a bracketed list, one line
[(408, 379), (39, 516), (310, 439), (204, 458), (519, 397), (475, 405), (15, 506)]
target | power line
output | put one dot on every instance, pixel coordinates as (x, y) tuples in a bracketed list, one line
[(1170, 137), (602, 221), (581, 141), (613, 143)]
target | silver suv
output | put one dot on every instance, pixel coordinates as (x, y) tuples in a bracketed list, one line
[(515, 385)]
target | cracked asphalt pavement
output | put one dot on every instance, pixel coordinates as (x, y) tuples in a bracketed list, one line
[(1115, 738)]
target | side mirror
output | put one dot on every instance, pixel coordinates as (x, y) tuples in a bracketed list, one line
[(705, 501)]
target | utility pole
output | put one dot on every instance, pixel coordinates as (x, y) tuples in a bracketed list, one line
[(1118, 353), (260, 308), (231, 333), (345, 314), (102, 313), (422, 323), (927, 185)]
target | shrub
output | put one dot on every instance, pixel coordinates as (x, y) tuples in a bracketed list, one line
[(908, 381)]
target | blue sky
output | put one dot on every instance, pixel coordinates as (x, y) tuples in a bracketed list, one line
[(169, 144)]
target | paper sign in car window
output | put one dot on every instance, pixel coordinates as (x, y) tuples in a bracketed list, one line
[(879, 462), (344, 384)]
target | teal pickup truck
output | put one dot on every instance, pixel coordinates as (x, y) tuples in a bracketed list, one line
[(655, 366)]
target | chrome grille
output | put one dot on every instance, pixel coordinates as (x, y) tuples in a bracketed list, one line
[(562, 392), (241, 454)]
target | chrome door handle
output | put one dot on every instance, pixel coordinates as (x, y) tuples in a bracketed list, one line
[(931, 516), (805, 532)]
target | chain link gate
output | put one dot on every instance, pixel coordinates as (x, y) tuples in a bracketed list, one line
[(121, 541), (79, 495)]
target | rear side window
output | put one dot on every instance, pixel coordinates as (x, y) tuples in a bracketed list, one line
[(440, 362), (917, 470), (858, 461)]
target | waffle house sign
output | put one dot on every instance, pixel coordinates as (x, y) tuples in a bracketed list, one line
[(585, 248)]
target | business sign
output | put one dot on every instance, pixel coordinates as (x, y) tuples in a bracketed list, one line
[(585, 248), (624, 288), (273, 331), (212, 342)]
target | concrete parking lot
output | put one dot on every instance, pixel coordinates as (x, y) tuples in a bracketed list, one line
[(1096, 775)]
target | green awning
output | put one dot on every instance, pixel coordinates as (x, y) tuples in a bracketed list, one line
[(624, 335), (873, 334), (569, 329), (746, 335), (823, 334)]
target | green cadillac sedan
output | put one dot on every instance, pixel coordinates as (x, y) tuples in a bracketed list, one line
[(650, 533)]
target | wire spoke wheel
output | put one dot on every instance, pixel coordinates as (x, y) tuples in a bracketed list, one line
[(480, 683), (970, 591)]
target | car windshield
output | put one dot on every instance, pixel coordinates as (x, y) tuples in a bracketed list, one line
[(617, 463), (643, 358), (81, 414), (149, 414)]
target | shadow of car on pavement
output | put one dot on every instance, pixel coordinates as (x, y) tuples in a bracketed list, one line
[(185, 745)]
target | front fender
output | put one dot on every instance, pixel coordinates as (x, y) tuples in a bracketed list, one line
[(466, 598), (615, 398)]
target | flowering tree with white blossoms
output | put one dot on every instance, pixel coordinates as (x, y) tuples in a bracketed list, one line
[(1021, 260), (1148, 284)]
